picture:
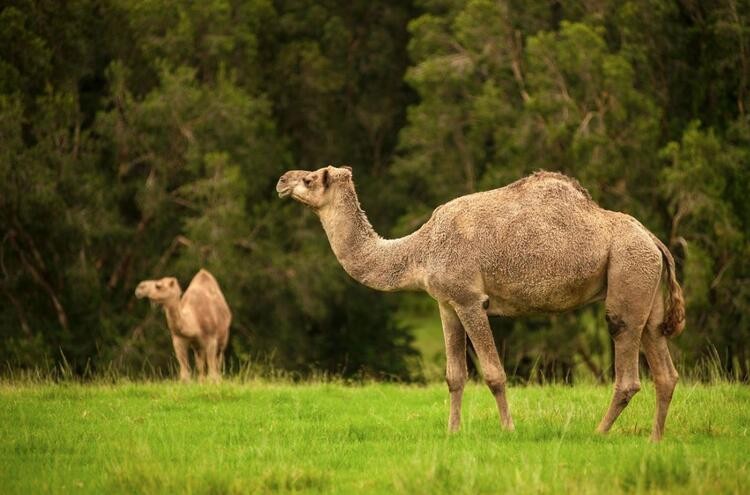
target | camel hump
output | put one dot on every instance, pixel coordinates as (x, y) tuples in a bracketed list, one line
[(544, 178), (203, 273), (205, 296), (204, 281), (204, 278)]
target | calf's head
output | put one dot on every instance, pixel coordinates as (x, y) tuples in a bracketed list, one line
[(159, 291)]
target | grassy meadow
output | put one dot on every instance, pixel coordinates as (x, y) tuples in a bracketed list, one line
[(265, 437)]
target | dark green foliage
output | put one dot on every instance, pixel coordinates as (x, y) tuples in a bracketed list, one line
[(141, 138)]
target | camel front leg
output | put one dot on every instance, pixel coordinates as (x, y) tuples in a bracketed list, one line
[(477, 326), (212, 358), (455, 370), (181, 347)]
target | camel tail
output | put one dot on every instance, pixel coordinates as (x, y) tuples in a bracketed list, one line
[(674, 314)]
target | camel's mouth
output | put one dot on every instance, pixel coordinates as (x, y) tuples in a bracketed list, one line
[(287, 182), (152, 302), (143, 294), (283, 187), (286, 190), (300, 199)]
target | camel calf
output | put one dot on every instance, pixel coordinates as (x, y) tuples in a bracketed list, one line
[(200, 319)]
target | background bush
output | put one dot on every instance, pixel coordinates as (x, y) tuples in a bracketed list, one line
[(144, 138)]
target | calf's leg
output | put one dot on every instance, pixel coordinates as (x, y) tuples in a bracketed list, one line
[(181, 347), (200, 362), (212, 358)]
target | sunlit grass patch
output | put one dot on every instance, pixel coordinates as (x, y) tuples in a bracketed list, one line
[(280, 437)]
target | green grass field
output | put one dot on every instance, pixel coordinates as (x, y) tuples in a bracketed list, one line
[(260, 437)]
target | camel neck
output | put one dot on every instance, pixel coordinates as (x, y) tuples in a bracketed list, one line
[(174, 315), (382, 264)]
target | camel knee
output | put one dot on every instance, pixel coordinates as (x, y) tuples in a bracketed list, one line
[(615, 324), (626, 392), (674, 377), (455, 381), (496, 384), (667, 379), (665, 384)]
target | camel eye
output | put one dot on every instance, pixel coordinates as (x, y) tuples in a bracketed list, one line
[(158, 286), (307, 181)]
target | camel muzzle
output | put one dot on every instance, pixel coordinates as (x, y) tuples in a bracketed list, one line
[(282, 187), (284, 193), (140, 291)]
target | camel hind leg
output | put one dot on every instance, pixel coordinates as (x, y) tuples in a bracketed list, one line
[(627, 382), (632, 280), (663, 372)]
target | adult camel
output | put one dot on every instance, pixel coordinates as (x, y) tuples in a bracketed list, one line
[(538, 245)]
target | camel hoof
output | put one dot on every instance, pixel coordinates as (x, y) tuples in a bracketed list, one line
[(601, 430)]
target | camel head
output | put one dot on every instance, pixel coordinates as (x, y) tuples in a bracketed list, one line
[(159, 291), (317, 188)]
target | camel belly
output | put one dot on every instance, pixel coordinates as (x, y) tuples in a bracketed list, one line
[(552, 274), (520, 301)]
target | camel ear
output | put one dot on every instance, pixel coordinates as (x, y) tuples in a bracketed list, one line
[(347, 167), (326, 178), (171, 282)]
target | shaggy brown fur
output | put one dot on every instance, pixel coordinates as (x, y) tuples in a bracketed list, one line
[(199, 320), (539, 245)]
